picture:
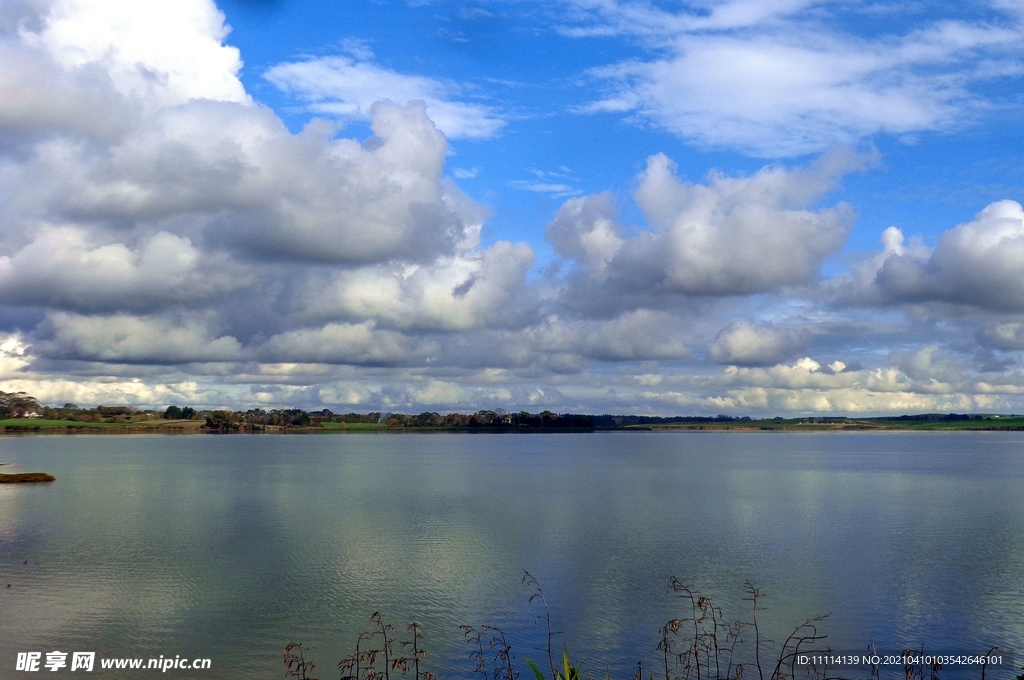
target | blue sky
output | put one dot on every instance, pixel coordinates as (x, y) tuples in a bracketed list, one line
[(589, 205), (521, 61)]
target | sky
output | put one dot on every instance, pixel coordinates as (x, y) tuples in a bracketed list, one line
[(741, 207)]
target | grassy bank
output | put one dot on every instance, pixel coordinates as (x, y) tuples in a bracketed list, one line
[(44, 425)]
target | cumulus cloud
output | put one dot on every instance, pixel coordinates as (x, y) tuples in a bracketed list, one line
[(584, 230), (975, 265), (719, 233), (60, 268), (773, 80), (13, 355), (978, 263), (132, 392), (637, 335), (231, 175), (160, 53), (807, 386), (132, 118), (727, 236), (346, 87), (341, 344), (746, 344), (1008, 336), (157, 215), (83, 103), (470, 290), (130, 339)]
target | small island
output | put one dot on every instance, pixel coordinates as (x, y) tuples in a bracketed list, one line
[(25, 477)]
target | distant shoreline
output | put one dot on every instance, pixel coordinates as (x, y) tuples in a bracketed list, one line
[(24, 415), (200, 429)]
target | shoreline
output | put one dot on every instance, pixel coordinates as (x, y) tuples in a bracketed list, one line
[(164, 430)]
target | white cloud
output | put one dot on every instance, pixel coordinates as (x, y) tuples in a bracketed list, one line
[(83, 102), (347, 394), (468, 291), (584, 230), (157, 53), (647, 21), (340, 86), (745, 344), (977, 264), (232, 175), (640, 335), (13, 355), (805, 387), (126, 338), (729, 236), (341, 343), (439, 392), (555, 189), (846, 401), (186, 228), (111, 391), (773, 79), (1008, 336), (134, 121), (744, 235), (62, 269)]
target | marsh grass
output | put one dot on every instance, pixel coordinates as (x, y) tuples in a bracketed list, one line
[(500, 664), (703, 644)]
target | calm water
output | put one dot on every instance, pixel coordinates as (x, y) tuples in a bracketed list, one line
[(230, 547)]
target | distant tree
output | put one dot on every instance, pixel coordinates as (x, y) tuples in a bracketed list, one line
[(426, 419), (222, 420), (188, 413), (173, 413), (17, 404)]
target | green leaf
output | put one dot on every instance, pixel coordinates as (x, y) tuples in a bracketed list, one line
[(536, 671)]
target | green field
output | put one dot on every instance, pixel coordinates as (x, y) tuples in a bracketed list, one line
[(37, 423), (988, 424), (45, 424), (328, 425)]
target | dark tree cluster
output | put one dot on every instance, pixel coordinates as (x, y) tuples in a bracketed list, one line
[(622, 421), (178, 413), (939, 417), (18, 405)]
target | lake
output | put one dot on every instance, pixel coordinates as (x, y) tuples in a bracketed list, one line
[(229, 547)]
